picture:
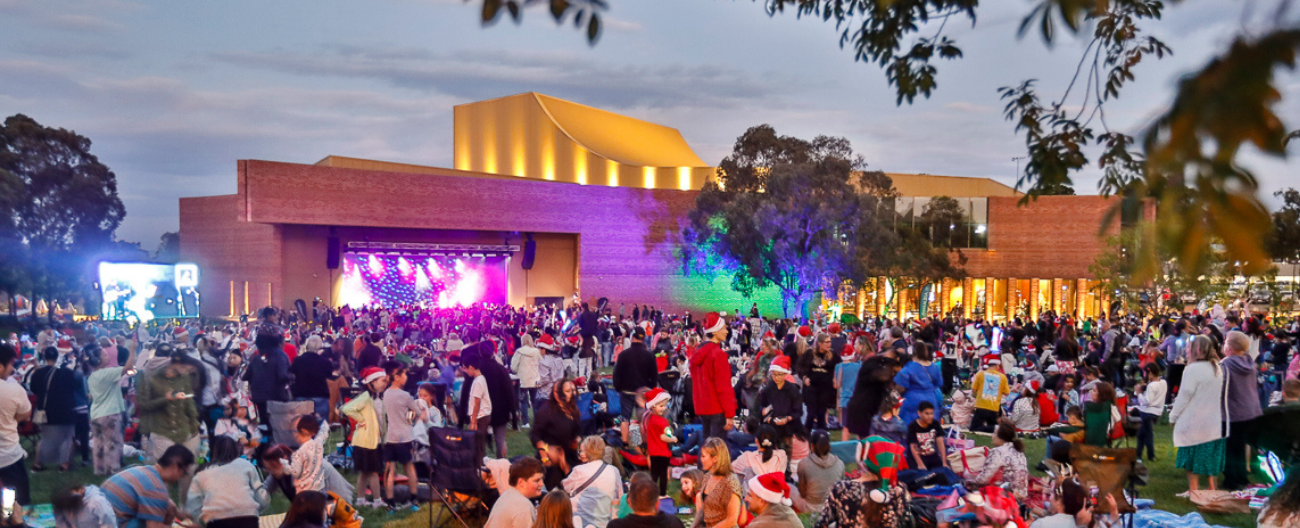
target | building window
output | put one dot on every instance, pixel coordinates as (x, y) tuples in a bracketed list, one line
[(959, 223)]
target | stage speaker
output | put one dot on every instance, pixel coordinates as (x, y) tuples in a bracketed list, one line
[(530, 252), (332, 253)]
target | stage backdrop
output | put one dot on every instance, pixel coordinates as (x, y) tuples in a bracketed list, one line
[(441, 281)]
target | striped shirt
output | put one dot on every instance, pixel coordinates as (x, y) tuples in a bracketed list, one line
[(137, 494)]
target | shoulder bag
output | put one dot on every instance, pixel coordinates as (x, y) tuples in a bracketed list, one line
[(39, 417)]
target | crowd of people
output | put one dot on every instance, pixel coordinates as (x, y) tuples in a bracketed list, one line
[(739, 409)]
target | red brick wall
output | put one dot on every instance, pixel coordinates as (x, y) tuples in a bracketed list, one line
[(1053, 237), (624, 233), (625, 249), (227, 249)]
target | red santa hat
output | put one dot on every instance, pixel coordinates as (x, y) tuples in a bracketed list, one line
[(805, 331), (654, 396), (179, 332), (713, 322), (834, 328), (990, 360), (847, 354), (574, 340), (780, 363), (546, 341), (771, 488), (1035, 385), (371, 374), (64, 345), (769, 335)]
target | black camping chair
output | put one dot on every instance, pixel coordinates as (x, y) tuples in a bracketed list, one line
[(455, 480)]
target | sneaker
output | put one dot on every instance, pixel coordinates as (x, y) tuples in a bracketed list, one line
[(415, 506), (1184, 495), (363, 502), (524, 426)]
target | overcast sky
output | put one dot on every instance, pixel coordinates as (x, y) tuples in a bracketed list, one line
[(172, 93)]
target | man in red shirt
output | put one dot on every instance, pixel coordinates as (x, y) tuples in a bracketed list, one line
[(715, 398)]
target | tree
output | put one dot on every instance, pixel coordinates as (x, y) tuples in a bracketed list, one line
[(1056, 189), (782, 212), (169, 248), (1188, 155), (801, 216), (1284, 241), (1119, 272), (67, 207)]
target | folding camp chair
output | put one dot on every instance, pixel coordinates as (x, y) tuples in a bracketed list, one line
[(455, 480)]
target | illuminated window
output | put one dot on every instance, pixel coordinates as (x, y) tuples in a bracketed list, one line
[(232, 298), (245, 297), (684, 178), (648, 174), (611, 172)]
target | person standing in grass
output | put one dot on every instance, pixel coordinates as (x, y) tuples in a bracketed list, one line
[(107, 406), (399, 441), (367, 459), (1197, 415), (1151, 404)]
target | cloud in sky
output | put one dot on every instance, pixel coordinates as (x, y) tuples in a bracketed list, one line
[(173, 94)]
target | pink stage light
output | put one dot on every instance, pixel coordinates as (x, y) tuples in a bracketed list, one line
[(368, 279)]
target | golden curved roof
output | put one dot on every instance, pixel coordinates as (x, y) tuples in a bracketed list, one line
[(620, 138)]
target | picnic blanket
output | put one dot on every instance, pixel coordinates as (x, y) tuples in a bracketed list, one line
[(1163, 519)]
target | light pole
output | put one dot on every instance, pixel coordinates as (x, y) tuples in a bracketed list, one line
[(1018, 159)]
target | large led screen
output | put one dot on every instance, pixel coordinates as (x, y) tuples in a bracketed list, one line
[(437, 281), (141, 291)]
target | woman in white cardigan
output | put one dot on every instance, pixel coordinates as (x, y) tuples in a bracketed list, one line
[(1198, 415)]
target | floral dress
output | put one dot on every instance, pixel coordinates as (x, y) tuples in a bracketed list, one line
[(844, 505)]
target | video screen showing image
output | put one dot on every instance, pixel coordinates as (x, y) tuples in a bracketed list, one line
[(143, 291), (435, 281)]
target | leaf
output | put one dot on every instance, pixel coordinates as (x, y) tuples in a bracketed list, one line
[(593, 29), (491, 8), (514, 10), (558, 7)]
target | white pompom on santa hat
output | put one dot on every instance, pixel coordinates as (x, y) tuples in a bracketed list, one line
[(780, 363), (655, 396), (546, 341), (771, 488), (713, 322)]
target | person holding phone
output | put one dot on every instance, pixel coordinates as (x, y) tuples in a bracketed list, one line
[(107, 405), (165, 399)]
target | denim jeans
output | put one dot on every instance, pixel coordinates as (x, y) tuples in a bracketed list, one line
[(1146, 436), (607, 353), (321, 408), (526, 399)]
